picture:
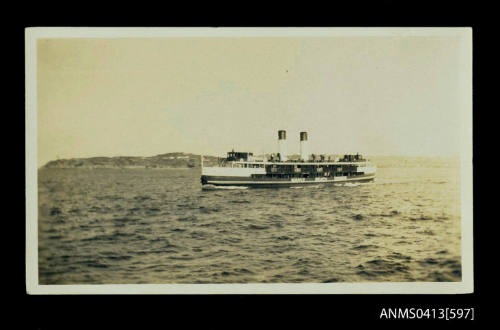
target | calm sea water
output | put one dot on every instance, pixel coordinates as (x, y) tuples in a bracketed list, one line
[(107, 226)]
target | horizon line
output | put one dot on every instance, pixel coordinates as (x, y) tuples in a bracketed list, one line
[(297, 154)]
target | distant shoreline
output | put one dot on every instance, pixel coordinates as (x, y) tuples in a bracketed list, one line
[(174, 160)]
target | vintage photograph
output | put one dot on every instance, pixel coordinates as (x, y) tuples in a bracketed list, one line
[(277, 158)]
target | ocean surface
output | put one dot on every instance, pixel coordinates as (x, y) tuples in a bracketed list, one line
[(111, 226)]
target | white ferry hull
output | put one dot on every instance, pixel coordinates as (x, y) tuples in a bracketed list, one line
[(278, 182)]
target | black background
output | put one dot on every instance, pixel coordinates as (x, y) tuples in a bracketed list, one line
[(236, 311)]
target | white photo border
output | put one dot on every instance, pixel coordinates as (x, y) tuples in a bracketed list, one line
[(32, 282)]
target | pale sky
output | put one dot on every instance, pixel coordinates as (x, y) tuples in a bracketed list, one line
[(142, 97)]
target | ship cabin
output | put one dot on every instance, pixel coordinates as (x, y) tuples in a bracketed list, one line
[(238, 156)]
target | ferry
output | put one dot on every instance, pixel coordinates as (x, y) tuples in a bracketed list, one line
[(242, 169)]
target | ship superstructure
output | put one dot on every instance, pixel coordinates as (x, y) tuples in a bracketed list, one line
[(243, 169)]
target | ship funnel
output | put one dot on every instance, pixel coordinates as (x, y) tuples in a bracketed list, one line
[(282, 145), (303, 146)]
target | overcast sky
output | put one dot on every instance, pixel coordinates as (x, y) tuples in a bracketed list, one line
[(142, 97)]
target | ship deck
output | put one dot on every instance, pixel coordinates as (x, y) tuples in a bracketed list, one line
[(299, 163)]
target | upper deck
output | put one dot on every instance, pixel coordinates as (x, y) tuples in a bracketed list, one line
[(247, 158), (298, 163)]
